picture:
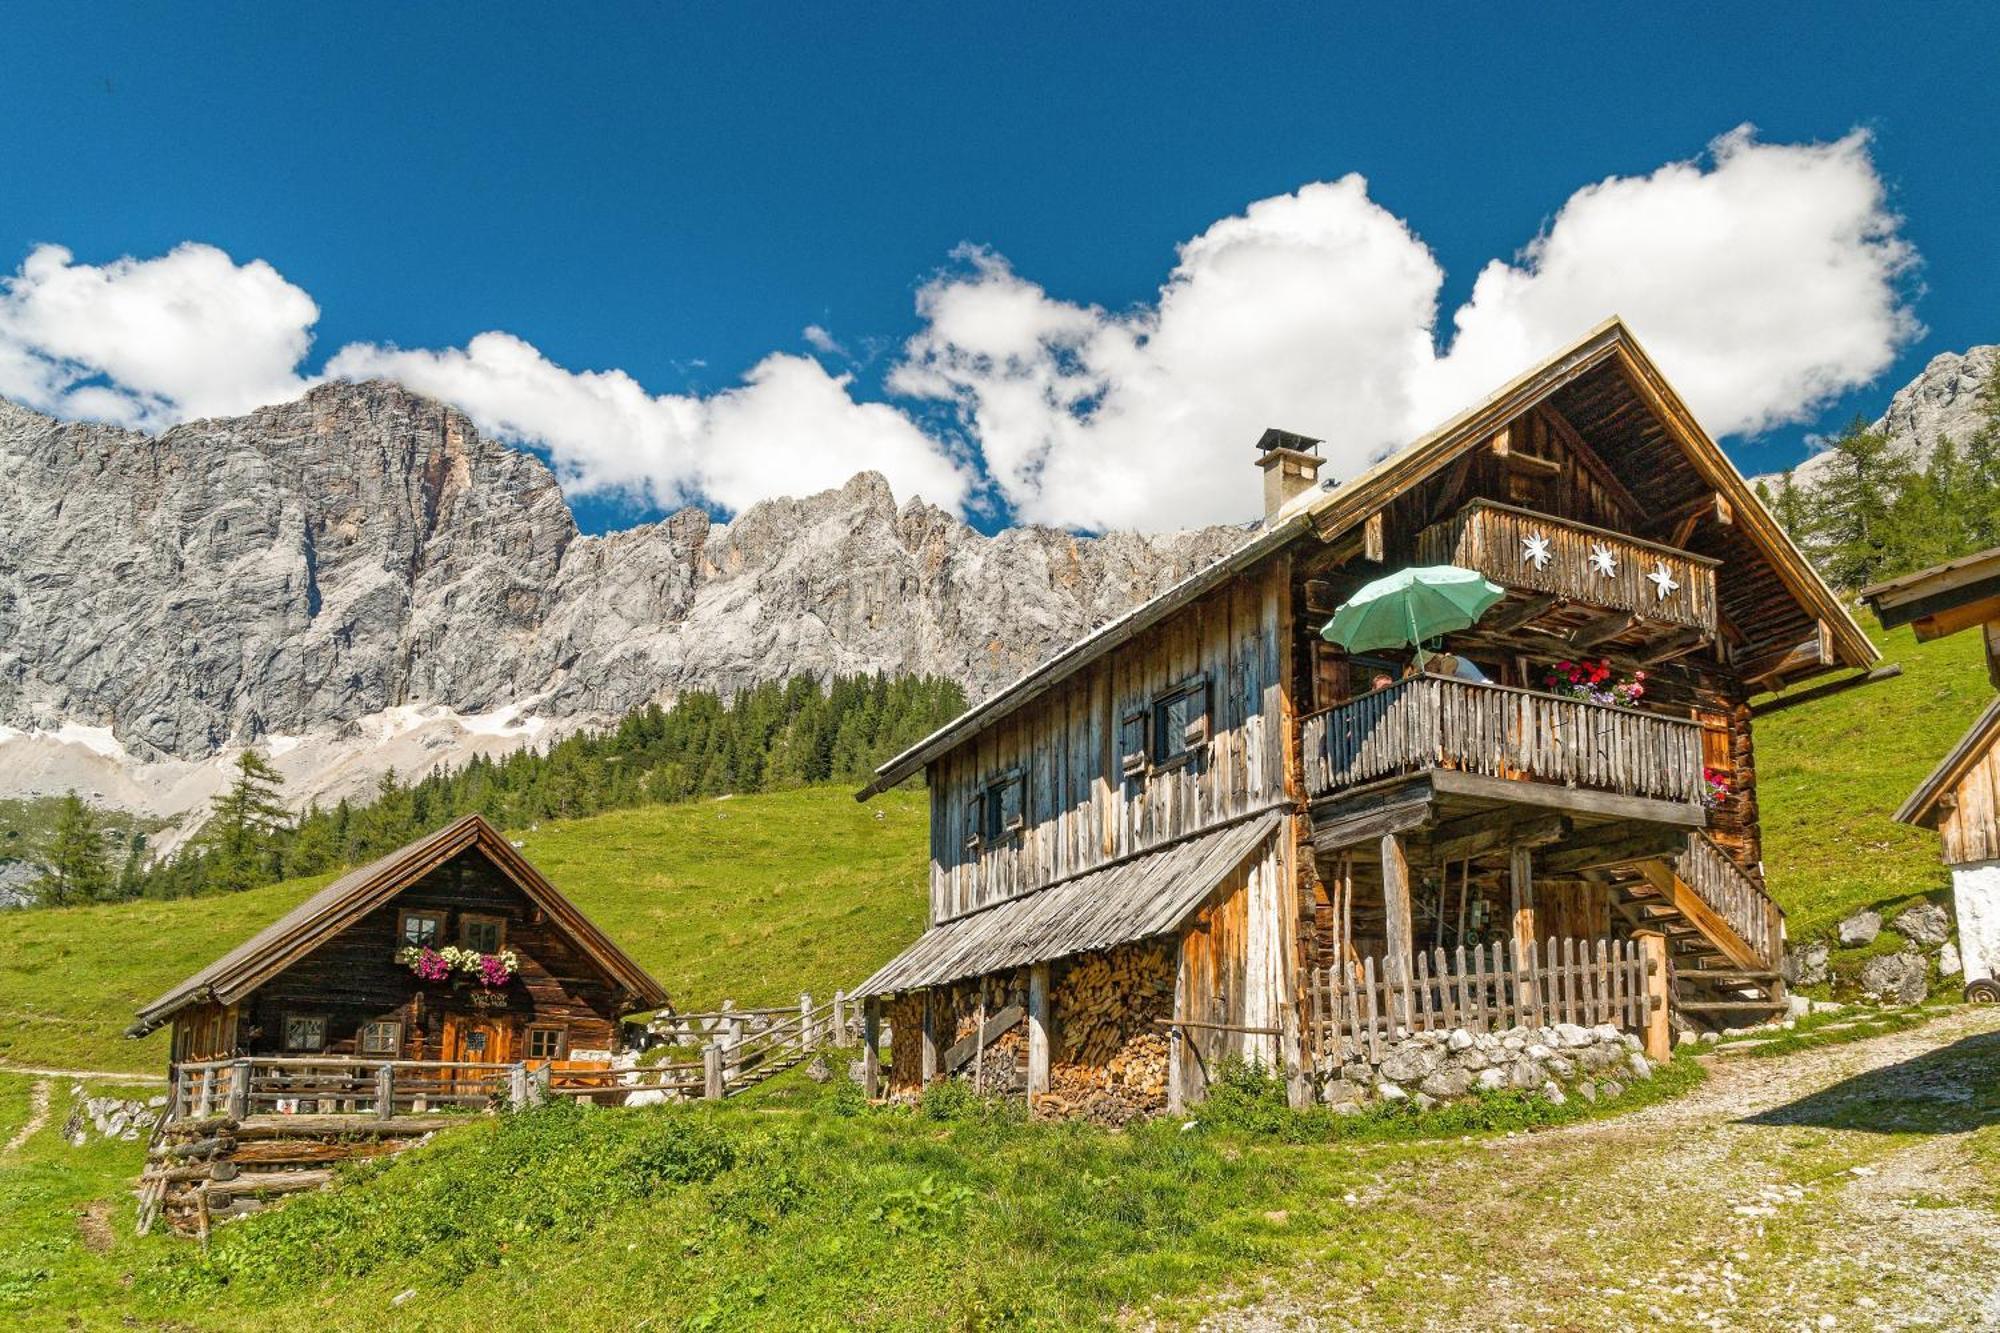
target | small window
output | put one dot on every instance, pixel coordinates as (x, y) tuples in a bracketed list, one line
[(1180, 723), (475, 1044), (482, 934), (997, 811), (381, 1038), (545, 1043), (305, 1032), (424, 930)]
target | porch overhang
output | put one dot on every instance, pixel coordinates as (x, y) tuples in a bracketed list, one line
[(1138, 898)]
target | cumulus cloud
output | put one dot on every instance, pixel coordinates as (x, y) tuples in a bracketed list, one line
[(1766, 278), (147, 342), (789, 429)]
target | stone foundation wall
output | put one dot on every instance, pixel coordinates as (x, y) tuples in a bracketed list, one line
[(1431, 1067)]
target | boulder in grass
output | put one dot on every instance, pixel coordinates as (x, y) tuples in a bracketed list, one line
[(1949, 963), (1926, 925), (1859, 929), (1806, 964), (1902, 977)]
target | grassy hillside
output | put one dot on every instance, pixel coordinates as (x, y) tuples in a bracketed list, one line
[(1831, 773), (746, 898)]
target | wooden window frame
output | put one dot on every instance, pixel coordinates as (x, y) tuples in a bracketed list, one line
[(361, 1046), (403, 919), (988, 798), (499, 924), (561, 1036), (1195, 733), (285, 1030)]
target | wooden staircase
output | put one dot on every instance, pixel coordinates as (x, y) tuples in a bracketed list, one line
[(1725, 937)]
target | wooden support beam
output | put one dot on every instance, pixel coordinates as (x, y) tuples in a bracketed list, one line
[(1374, 538), (929, 1068), (871, 1047), (1603, 628), (1038, 1031), (1491, 830), (1507, 619), (1658, 1034), (1397, 929), (1574, 800), (1521, 896), (1815, 651), (1321, 599), (973, 1043), (1618, 846), (1331, 835), (1679, 644)]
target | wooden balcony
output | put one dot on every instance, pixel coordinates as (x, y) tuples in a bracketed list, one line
[(1431, 722), (1575, 563)]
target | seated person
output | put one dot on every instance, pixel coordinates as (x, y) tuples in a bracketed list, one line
[(1458, 668)]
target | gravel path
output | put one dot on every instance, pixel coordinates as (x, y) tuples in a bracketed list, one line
[(38, 1115), (1851, 1187)]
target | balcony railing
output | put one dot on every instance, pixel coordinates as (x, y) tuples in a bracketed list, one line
[(1733, 896), (1518, 548), (1499, 731)]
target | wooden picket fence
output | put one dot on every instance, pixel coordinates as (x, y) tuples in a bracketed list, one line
[(744, 1047), (1485, 989)]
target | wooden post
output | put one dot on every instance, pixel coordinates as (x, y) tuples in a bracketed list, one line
[(204, 1102), (805, 1022), (1396, 909), (1657, 1032), (239, 1089), (839, 1019), (929, 1068), (385, 1090), (517, 1086), (871, 1047), (1521, 893), (1038, 1033), (734, 1043), (711, 1072)]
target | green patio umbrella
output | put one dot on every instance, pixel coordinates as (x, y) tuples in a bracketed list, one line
[(1410, 606)]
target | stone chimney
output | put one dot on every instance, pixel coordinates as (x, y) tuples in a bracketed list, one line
[(1291, 468)]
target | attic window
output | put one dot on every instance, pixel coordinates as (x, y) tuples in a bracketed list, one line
[(997, 811), (420, 929), (305, 1032), (482, 934), (1179, 723)]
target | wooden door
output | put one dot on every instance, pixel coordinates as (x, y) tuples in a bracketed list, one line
[(474, 1037)]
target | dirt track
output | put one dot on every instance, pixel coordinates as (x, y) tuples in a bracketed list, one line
[(1850, 1187)]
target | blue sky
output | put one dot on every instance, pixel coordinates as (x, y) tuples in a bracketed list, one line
[(677, 193)]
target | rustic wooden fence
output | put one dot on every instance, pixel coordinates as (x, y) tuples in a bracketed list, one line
[(1485, 989), (744, 1047), (1504, 732), (334, 1085)]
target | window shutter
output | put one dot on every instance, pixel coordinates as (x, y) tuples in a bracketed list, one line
[(1132, 744), (1195, 734), (1017, 813), (975, 811)]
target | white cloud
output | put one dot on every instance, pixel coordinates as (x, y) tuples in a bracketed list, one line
[(146, 342), (1765, 283), (1766, 279), (789, 429)]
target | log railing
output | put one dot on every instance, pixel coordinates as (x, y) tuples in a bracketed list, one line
[(1518, 548), (1500, 731), (1358, 1008), (1733, 896), (336, 1085)]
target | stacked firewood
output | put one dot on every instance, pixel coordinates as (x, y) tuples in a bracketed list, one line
[(905, 1017), (1111, 1060)]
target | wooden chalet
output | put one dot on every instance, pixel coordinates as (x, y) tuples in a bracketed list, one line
[(325, 980), (1203, 832), (1960, 798)]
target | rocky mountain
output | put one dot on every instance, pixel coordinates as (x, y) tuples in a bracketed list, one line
[(1941, 401), (332, 577)]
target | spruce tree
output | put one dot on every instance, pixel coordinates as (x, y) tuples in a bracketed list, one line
[(79, 871), (242, 833)]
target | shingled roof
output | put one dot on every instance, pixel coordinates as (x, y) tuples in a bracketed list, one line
[(358, 892)]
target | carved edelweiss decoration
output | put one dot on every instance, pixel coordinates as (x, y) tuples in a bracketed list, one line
[(1535, 550), (1663, 581), (1602, 561)]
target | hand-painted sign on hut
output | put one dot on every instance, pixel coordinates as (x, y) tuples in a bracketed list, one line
[(1206, 832)]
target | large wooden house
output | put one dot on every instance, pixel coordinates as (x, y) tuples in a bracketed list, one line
[(385, 964), (1204, 832)]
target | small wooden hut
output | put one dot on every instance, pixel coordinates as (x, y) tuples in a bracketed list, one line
[(384, 964), (1961, 797)]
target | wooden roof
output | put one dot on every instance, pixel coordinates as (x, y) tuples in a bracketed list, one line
[(1940, 600), (1612, 393), (358, 892), (1134, 899), (1922, 806)]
